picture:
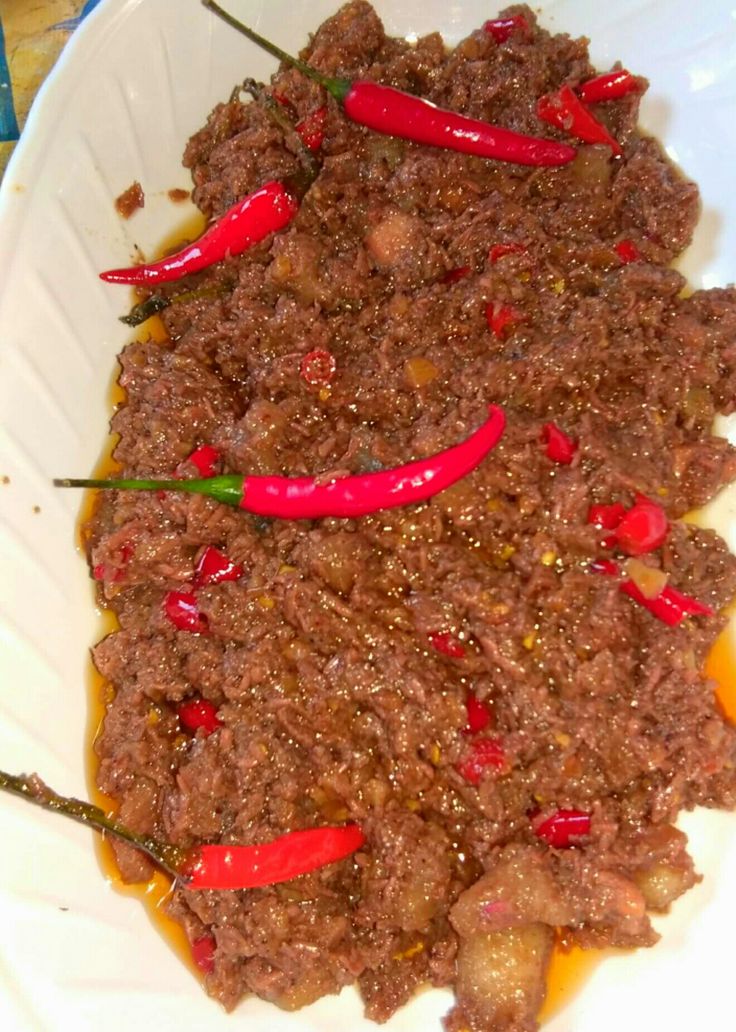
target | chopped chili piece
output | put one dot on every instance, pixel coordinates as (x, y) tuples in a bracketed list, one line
[(318, 367), (499, 251), (281, 99), (214, 567), (206, 459), (287, 857), (296, 498), (312, 128), (503, 29), (480, 714), (560, 446), (395, 113), (605, 566), (609, 86), (447, 644), (670, 606), (485, 754), (456, 274), (181, 609), (627, 251), (643, 529), (248, 222), (203, 953), (607, 517), (501, 318), (564, 828), (196, 713), (566, 111)]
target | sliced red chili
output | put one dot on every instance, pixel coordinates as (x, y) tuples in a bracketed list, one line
[(502, 29), (214, 567), (287, 857), (206, 459), (203, 953), (560, 446), (607, 567), (480, 714), (181, 609), (564, 828), (318, 367), (501, 318), (196, 713), (643, 529), (499, 251), (670, 606), (607, 517), (312, 128), (609, 86), (485, 754), (627, 251), (447, 644), (456, 274), (564, 110)]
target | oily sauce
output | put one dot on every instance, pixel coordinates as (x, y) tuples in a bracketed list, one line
[(568, 970)]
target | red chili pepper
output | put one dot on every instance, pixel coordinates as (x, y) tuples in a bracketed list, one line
[(318, 367), (390, 111), (501, 318), (281, 99), (503, 28), (447, 644), (247, 223), (609, 86), (643, 529), (480, 714), (607, 517), (203, 953), (181, 609), (206, 459), (312, 128), (196, 713), (499, 251), (214, 567), (456, 274), (566, 111), (670, 606), (296, 498), (253, 867), (627, 251), (485, 754), (560, 447), (564, 828)]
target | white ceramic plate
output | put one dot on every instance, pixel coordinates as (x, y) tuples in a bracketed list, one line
[(137, 79)]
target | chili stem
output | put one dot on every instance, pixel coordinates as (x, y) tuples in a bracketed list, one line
[(339, 88), (33, 790), (225, 489)]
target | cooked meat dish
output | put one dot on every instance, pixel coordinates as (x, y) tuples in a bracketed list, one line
[(484, 683)]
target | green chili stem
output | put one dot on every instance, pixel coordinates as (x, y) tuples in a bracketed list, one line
[(339, 88), (225, 489), (32, 789)]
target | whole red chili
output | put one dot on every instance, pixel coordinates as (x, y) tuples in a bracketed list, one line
[(312, 128), (480, 714), (566, 111), (609, 86), (501, 318), (245, 224), (395, 113), (203, 953), (447, 644), (564, 828), (485, 754), (627, 252), (560, 446), (318, 367), (196, 713), (643, 529), (181, 609), (456, 274), (214, 567), (503, 29), (499, 251), (206, 459), (294, 498)]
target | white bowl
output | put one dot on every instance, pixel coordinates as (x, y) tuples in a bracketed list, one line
[(136, 80)]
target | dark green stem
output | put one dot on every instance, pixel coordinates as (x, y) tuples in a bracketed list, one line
[(170, 858), (157, 302), (339, 88), (225, 489)]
